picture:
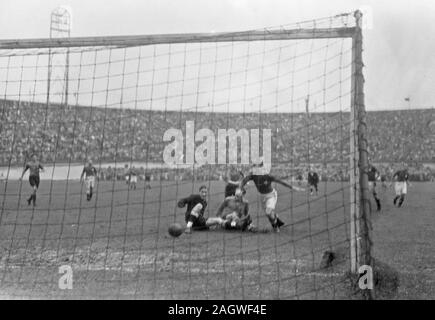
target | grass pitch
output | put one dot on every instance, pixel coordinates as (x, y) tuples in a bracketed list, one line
[(118, 245)]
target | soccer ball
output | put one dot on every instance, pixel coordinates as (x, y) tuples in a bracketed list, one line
[(175, 229)]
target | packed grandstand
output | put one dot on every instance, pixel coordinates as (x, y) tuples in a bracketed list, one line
[(73, 134)]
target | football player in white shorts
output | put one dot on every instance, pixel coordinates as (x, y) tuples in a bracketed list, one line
[(401, 183)]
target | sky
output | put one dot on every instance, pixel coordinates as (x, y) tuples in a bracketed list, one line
[(398, 41)]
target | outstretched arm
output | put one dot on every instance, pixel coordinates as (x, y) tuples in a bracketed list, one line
[(245, 181), (182, 202), (83, 173), (285, 184)]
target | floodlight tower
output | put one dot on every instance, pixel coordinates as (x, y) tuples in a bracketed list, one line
[(58, 62)]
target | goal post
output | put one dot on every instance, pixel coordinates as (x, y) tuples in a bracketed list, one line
[(127, 100)]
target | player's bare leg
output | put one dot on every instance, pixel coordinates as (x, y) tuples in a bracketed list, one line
[(215, 221), (378, 201), (395, 199), (33, 196), (401, 200)]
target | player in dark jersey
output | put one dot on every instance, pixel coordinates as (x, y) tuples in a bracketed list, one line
[(401, 182), (313, 181), (263, 183), (147, 181), (194, 217), (373, 175), (90, 172), (34, 167), (234, 211)]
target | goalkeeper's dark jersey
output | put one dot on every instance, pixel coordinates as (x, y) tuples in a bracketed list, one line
[(263, 183), (191, 202)]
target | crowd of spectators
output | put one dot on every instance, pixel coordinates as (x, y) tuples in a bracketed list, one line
[(60, 134)]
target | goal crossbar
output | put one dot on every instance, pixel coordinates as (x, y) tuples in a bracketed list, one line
[(143, 40)]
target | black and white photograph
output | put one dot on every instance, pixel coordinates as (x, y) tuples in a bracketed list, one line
[(205, 150)]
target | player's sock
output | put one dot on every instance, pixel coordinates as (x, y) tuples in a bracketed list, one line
[(189, 227), (34, 199), (30, 199), (395, 199), (402, 198)]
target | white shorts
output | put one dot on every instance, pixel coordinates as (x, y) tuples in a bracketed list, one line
[(270, 200), (133, 179), (400, 187), (90, 182)]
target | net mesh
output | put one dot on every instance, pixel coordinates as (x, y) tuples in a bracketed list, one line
[(114, 107)]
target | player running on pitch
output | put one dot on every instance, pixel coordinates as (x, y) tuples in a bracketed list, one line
[(373, 175), (263, 183), (34, 167), (401, 183), (234, 211), (194, 216), (90, 172), (313, 181)]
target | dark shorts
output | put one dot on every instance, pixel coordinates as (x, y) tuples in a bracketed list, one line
[(199, 223), (34, 181)]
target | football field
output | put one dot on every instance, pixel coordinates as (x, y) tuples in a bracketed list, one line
[(117, 245)]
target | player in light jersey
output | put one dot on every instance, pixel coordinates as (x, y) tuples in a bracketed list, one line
[(263, 183), (234, 211), (90, 173), (34, 167), (401, 178)]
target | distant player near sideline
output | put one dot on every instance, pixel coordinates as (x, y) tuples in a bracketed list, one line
[(313, 181), (90, 173), (34, 167), (400, 178), (263, 183), (194, 216), (132, 177), (234, 211), (373, 175)]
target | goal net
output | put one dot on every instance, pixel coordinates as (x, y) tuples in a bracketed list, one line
[(178, 112)]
